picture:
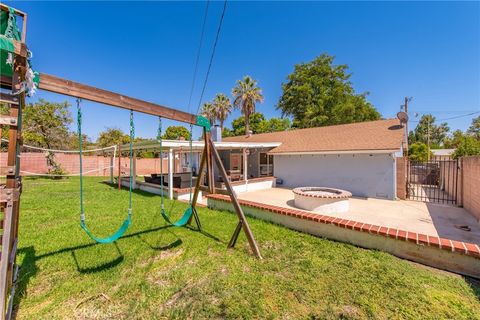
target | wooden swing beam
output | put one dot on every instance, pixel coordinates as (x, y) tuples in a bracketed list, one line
[(78, 90)]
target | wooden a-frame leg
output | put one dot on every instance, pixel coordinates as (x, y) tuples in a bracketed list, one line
[(208, 149), (243, 223), (235, 235), (196, 217), (197, 190)]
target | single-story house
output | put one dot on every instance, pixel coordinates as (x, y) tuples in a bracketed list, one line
[(358, 157), (443, 153)]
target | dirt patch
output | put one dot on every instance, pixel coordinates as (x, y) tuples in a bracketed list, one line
[(164, 255), (349, 312), (35, 310), (39, 289), (158, 279), (183, 296), (45, 284), (223, 270), (272, 245), (213, 253), (99, 306)]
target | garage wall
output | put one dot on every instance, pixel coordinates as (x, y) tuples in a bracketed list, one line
[(361, 174)]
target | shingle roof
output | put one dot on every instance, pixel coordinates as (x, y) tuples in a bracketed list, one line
[(362, 136)]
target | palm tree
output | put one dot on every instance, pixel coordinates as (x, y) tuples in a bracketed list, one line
[(222, 107), (246, 94), (208, 111)]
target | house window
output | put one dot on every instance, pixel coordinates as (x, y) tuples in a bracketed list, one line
[(265, 164), (236, 162)]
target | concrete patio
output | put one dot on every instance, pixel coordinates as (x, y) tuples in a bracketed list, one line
[(426, 218)]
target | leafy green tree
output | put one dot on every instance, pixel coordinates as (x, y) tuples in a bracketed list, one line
[(73, 141), (418, 152), (273, 124), (227, 133), (319, 93), (258, 124), (45, 124), (474, 129), (111, 137), (209, 112), (454, 140), (426, 128), (176, 133), (239, 125), (222, 107), (468, 146), (246, 95), (142, 153), (4, 110)]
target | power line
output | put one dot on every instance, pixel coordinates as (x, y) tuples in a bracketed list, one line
[(456, 117), (213, 54), (192, 87), (465, 115)]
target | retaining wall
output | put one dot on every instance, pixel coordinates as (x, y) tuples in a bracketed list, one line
[(451, 255)]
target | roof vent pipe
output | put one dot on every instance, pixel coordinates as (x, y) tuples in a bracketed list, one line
[(216, 133)]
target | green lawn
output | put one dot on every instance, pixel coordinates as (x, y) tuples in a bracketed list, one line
[(160, 272)]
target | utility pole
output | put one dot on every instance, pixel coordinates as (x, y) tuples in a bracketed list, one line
[(405, 108), (428, 140)]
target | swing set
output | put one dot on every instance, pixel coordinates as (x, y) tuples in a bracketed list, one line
[(185, 218), (20, 80)]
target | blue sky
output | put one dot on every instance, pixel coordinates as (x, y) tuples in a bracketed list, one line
[(427, 50)]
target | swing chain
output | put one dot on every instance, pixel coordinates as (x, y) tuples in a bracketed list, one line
[(160, 139), (132, 137), (191, 163), (123, 228), (80, 148)]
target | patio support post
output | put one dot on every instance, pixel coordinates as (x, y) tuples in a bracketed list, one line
[(198, 183), (394, 196), (245, 168), (119, 178), (134, 170), (111, 169), (170, 173)]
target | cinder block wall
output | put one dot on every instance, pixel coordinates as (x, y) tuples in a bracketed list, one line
[(402, 178), (471, 185), (36, 162), (451, 179)]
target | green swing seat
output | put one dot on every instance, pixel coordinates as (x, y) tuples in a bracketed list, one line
[(114, 237), (124, 227), (182, 221), (187, 214)]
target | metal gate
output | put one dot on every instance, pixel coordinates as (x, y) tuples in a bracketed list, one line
[(433, 181)]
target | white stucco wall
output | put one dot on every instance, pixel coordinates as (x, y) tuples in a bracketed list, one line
[(363, 175), (254, 186)]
